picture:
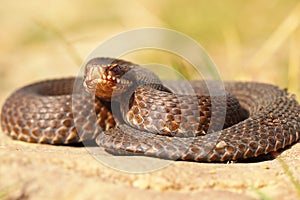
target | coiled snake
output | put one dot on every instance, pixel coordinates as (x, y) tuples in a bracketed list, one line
[(151, 118)]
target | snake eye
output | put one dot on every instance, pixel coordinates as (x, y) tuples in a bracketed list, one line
[(116, 69)]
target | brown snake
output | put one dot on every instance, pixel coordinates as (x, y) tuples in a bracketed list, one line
[(258, 118)]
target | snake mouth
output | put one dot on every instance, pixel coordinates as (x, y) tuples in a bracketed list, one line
[(105, 79)]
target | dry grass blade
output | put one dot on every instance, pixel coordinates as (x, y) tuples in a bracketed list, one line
[(284, 30), (294, 65), (288, 172)]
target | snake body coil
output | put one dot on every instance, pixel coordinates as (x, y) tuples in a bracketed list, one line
[(43, 112)]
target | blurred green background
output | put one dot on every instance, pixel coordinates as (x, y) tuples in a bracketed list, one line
[(248, 40)]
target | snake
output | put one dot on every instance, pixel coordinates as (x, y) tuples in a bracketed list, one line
[(127, 108)]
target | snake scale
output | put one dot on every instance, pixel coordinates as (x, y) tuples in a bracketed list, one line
[(258, 118)]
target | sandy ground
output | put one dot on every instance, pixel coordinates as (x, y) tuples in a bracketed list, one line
[(36, 171)]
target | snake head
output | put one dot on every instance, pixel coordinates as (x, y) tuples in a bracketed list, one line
[(103, 77)]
